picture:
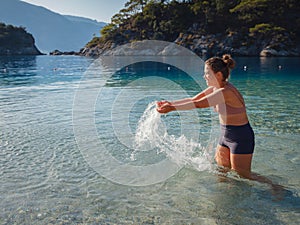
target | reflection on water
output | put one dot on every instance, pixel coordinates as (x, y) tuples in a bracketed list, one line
[(17, 70), (45, 179), (269, 68)]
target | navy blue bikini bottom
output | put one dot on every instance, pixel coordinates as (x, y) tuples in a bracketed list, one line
[(239, 139)]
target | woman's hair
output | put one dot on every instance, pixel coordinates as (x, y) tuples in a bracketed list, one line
[(223, 65)]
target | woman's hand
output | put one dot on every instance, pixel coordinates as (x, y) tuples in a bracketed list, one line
[(164, 107), (161, 103)]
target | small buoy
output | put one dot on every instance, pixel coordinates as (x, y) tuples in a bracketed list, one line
[(169, 68), (279, 67), (245, 68)]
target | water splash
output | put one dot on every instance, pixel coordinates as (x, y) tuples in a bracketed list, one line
[(152, 133)]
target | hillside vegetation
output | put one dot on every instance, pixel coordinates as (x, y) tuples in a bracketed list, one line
[(269, 23)]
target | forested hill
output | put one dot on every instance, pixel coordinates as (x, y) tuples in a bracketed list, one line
[(16, 41), (241, 27)]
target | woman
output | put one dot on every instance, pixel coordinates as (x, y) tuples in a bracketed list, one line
[(236, 144)]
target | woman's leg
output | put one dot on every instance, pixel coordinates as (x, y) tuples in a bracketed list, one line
[(241, 163), (222, 156)]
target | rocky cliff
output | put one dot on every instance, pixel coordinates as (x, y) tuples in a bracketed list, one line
[(16, 41), (216, 44), (239, 45)]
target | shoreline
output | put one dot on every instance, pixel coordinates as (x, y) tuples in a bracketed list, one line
[(265, 53)]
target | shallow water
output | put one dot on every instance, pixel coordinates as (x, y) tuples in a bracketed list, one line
[(48, 177)]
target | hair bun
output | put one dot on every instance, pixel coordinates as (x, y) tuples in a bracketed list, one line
[(229, 61)]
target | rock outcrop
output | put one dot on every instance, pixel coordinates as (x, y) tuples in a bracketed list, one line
[(213, 44), (238, 45), (57, 52), (148, 48), (16, 41)]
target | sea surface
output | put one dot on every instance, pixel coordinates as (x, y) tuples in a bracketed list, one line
[(81, 143)]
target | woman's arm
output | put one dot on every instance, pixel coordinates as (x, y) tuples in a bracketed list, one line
[(209, 100), (204, 93), (207, 91)]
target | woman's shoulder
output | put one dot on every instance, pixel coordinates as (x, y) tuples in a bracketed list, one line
[(232, 92), (230, 85), (231, 88)]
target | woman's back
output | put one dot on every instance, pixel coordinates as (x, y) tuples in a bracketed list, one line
[(233, 110)]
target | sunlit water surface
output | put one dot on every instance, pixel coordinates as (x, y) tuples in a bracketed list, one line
[(45, 178)]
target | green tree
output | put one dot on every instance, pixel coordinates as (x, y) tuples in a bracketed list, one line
[(108, 29), (252, 11), (166, 19), (136, 6)]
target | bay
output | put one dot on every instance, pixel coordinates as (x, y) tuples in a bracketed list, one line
[(47, 177)]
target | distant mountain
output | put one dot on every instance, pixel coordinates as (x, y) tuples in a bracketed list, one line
[(85, 20), (50, 30)]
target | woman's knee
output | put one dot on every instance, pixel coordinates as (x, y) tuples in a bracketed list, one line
[(222, 156)]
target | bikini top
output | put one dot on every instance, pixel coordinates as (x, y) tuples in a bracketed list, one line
[(224, 108)]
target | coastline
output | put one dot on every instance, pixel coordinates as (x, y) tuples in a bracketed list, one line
[(203, 46)]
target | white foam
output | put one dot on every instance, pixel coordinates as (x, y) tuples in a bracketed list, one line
[(152, 133)]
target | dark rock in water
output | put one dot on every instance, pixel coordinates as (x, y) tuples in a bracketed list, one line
[(57, 52), (16, 41)]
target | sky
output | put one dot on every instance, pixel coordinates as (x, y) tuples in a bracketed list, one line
[(100, 10)]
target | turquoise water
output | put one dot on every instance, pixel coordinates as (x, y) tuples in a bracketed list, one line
[(47, 176)]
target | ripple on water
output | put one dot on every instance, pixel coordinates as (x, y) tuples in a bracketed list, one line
[(45, 179)]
